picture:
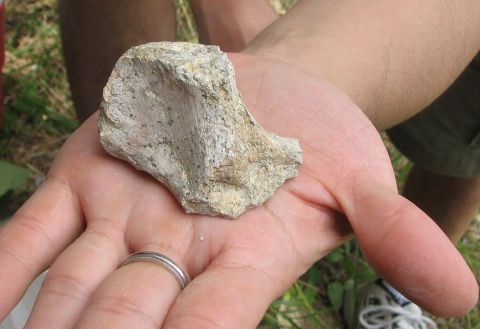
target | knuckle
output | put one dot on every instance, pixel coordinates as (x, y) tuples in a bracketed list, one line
[(393, 221), (18, 257), (65, 285), (119, 306), (22, 237), (35, 228), (60, 183), (104, 235), (168, 249), (252, 271), (195, 320)]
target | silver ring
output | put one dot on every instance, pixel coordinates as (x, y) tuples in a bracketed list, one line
[(154, 257)]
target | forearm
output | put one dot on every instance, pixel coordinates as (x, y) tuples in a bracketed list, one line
[(391, 57)]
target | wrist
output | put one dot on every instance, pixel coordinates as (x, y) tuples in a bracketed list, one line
[(296, 46), (278, 43)]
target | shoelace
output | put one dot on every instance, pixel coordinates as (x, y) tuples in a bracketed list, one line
[(381, 316)]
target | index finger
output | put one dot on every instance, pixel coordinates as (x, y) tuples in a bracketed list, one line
[(34, 236)]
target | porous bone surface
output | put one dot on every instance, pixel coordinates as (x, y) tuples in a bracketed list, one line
[(172, 109)]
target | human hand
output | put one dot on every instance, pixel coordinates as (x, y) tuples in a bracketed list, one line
[(94, 210)]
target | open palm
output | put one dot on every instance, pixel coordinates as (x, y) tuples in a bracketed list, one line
[(94, 210)]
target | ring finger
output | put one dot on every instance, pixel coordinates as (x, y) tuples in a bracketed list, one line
[(137, 295)]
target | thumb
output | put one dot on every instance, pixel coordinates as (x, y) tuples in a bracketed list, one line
[(408, 249)]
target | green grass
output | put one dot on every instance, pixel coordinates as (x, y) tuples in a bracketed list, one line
[(38, 112), (39, 117)]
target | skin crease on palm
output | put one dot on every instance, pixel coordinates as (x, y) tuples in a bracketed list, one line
[(94, 210)]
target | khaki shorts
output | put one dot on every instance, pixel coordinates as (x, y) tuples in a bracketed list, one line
[(445, 137)]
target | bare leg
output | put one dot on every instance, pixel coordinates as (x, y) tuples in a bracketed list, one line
[(451, 202), (96, 32), (231, 24)]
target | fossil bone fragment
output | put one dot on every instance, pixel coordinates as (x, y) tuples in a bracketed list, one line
[(173, 110)]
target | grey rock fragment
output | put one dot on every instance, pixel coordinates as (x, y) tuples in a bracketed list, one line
[(173, 110)]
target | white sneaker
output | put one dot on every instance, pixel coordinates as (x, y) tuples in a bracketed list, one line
[(382, 307)]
